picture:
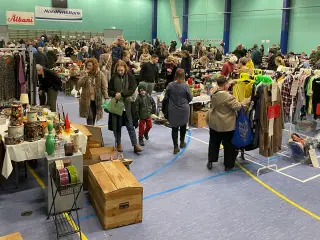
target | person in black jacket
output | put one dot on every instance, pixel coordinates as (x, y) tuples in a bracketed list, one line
[(69, 51), (122, 87), (41, 58), (50, 84), (186, 63), (149, 73)]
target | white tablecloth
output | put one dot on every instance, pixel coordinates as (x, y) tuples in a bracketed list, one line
[(30, 150), (201, 99)]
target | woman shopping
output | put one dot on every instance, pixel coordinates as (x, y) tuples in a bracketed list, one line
[(221, 120), (178, 97), (122, 87), (94, 86)]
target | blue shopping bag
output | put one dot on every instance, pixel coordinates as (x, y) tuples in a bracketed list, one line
[(243, 135)]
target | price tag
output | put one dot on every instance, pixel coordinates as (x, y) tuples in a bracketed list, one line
[(294, 88), (318, 109), (313, 157), (274, 92), (274, 111), (271, 123)]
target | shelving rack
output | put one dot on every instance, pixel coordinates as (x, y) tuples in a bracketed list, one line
[(63, 224)]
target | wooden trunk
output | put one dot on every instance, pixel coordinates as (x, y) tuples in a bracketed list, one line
[(115, 194)]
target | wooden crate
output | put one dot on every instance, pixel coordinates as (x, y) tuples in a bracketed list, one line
[(115, 194), (108, 151), (13, 236), (199, 119)]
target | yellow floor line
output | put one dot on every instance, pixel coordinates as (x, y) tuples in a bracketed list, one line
[(41, 183), (279, 194)]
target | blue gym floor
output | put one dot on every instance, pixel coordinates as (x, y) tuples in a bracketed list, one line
[(185, 201)]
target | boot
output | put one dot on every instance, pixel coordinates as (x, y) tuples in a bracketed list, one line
[(209, 165), (137, 149), (119, 148), (183, 145), (141, 142), (176, 150), (146, 135)]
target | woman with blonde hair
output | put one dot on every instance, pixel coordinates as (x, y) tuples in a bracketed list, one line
[(133, 52), (145, 56), (122, 86), (178, 97), (94, 86)]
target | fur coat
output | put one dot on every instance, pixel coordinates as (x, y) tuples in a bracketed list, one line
[(101, 91)]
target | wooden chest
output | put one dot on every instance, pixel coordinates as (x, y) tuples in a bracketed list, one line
[(199, 119), (115, 193), (13, 236)]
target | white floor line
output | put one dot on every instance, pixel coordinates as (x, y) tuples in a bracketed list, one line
[(284, 155), (311, 178), (290, 166), (277, 171), (285, 146)]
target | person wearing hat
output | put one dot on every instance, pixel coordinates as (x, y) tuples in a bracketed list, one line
[(145, 108)]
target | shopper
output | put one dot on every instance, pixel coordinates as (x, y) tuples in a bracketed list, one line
[(229, 67), (243, 66), (250, 63), (105, 62), (162, 53), (145, 108), (256, 56), (83, 55), (49, 84), (52, 58), (94, 87), (41, 58), (221, 120), (122, 86), (178, 97), (117, 50), (293, 60), (69, 51), (145, 56), (186, 62), (133, 52), (272, 61), (170, 67), (149, 73)]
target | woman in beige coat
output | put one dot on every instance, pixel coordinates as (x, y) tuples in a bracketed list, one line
[(221, 120), (94, 87)]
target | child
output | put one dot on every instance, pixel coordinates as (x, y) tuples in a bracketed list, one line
[(145, 107)]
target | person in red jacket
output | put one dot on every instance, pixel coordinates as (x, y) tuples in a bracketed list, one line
[(228, 67)]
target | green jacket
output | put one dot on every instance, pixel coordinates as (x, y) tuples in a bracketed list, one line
[(145, 106)]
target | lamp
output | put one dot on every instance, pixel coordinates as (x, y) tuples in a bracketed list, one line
[(24, 99)]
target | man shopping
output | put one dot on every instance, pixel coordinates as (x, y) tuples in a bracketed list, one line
[(150, 73)]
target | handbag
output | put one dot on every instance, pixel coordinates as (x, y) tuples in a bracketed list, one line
[(113, 106), (242, 136)]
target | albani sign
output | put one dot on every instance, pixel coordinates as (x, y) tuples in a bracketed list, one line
[(20, 18), (58, 14)]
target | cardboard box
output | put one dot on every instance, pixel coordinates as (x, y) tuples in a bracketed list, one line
[(115, 194), (199, 119), (13, 236)]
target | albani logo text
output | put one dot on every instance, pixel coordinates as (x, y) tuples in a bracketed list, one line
[(18, 19)]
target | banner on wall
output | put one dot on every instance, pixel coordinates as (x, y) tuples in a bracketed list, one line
[(20, 18), (58, 14)]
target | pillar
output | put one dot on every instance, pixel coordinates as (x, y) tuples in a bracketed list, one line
[(285, 26), (227, 21), (185, 20), (154, 27)]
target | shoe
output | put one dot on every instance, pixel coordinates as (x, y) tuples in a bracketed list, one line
[(228, 169), (209, 165), (137, 149), (146, 136), (183, 145), (176, 150), (141, 142), (119, 148)]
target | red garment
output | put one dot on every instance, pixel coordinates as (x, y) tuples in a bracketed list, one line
[(227, 69), (144, 126)]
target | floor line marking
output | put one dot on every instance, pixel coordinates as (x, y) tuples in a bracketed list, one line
[(278, 193), (290, 166), (311, 178), (170, 162), (283, 155), (300, 134), (41, 183)]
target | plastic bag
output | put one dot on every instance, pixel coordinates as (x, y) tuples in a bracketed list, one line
[(242, 136), (113, 106)]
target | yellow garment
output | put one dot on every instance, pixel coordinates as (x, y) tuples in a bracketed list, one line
[(245, 69), (250, 64), (242, 90)]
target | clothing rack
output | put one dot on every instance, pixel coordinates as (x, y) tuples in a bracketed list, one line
[(30, 82)]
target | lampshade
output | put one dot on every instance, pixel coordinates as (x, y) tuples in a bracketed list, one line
[(24, 99)]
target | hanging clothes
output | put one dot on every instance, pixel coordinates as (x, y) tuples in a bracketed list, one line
[(7, 76), (286, 96), (316, 98), (268, 145)]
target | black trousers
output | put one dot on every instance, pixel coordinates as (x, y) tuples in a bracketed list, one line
[(174, 133), (230, 152), (92, 114)]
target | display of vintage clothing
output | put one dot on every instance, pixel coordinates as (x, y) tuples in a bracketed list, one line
[(8, 83)]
